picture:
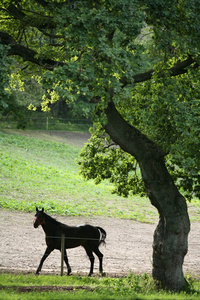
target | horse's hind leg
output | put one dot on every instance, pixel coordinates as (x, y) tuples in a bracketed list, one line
[(67, 263), (46, 254), (91, 258), (100, 256)]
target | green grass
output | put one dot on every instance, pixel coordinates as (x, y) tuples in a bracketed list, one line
[(130, 287), (43, 172)]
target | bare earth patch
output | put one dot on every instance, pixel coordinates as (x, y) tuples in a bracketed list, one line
[(128, 246), (47, 288)]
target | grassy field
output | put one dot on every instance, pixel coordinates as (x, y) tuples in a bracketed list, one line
[(14, 287), (36, 171)]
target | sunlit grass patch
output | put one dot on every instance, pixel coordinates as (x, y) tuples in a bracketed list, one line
[(41, 172)]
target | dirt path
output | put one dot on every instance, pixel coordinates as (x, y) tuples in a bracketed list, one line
[(129, 246)]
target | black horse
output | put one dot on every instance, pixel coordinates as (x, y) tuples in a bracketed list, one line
[(88, 236)]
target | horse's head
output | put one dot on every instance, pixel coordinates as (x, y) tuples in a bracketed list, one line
[(39, 218)]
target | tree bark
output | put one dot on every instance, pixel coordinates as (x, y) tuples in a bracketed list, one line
[(171, 235)]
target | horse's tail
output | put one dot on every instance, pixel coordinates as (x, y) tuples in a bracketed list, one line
[(102, 236)]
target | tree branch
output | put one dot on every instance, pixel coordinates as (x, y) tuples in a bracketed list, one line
[(46, 3), (15, 12), (42, 3), (178, 69), (43, 22), (27, 54)]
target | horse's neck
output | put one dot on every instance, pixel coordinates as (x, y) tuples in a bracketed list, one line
[(49, 225)]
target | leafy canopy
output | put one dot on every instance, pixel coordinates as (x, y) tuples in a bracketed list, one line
[(142, 55)]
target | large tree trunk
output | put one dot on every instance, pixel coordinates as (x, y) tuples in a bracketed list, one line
[(171, 235)]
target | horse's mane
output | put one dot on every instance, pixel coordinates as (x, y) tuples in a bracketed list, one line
[(52, 220)]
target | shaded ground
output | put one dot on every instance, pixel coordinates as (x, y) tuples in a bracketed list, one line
[(128, 247), (47, 288)]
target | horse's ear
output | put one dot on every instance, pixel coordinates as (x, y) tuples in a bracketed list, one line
[(42, 209), (36, 209)]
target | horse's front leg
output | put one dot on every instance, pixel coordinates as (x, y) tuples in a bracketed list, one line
[(46, 254), (67, 263)]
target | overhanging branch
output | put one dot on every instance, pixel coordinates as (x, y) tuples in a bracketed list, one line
[(27, 54), (46, 3), (178, 69), (44, 22)]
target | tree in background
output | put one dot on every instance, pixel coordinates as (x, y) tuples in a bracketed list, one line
[(133, 66), (5, 96), (17, 90)]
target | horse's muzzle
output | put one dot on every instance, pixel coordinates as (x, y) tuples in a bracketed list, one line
[(35, 223)]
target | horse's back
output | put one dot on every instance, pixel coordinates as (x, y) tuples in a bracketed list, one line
[(80, 235), (83, 235)]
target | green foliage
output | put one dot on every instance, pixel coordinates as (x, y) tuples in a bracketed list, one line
[(100, 49), (26, 92), (101, 159), (175, 25), (15, 93)]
